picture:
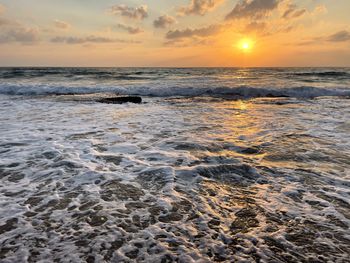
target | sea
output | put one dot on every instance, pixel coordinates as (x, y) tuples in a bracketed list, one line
[(215, 165)]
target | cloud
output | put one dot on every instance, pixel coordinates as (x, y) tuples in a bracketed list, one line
[(200, 7), (255, 26), (5, 22), (88, 39), (319, 10), (138, 13), (2, 9), (199, 32), (189, 42), (340, 36), (12, 31), (164, 21), (131, 30), (61, 24), (292, 12), (20, 34), (252, 9)]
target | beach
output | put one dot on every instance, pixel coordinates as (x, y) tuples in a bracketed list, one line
[(215, 165)]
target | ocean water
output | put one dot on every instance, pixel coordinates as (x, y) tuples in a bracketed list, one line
[(216, 165)]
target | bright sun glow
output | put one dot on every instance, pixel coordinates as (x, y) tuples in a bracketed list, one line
[(245, 45)]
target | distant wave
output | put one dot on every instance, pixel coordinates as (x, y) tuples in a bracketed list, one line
[(22, 73), (228, 92), (326, 74)]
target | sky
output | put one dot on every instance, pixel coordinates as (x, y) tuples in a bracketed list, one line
[(184, 33)]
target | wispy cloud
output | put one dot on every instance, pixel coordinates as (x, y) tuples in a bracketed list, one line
[(5, 22), (320, 9), (61, 24), (292, 11), (198, 32), (137, 13), (164, 21), (340, 36), (337, 37), (130, 29), (20, 34), (199, 7), (12, 31), (89, 39), (255, 26), (253, 9)]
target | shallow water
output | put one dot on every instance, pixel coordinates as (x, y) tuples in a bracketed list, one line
[(199, 179)]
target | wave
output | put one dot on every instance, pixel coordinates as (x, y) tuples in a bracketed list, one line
[(323, 74), (163, 91), (27, 74)]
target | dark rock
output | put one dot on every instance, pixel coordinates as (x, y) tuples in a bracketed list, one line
[(115, 245), (214, 223), (136, 205), (33, 201), (96, 220), (121, 100), (16, 177), (30, 214), (90, 259), (230, 173), (9, 225), (87, 205), (81, 243), (167, 259), (111, 159), (154, 179), (251, 150), (114, 190), (271, 242), (170, 217), (270, 95), (245, 221), (155, 210), (132, 254)]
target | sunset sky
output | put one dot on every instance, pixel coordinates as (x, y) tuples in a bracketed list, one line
[(174, 33)]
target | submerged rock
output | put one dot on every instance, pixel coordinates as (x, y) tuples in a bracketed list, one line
[(9, 225), (96, 220), (173, 216), (245, 220), (114, 190), (121, 100)]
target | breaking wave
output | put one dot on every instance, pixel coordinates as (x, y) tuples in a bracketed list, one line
[(226, 92)]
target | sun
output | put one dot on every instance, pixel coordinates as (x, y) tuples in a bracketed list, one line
[(245, 45)]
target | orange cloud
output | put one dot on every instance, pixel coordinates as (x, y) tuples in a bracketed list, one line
[(138, 13), (61, 24), (21, 34), (255, 9), (130, 29), (188, 32), (200, 7), (164, 21), (89, 39)]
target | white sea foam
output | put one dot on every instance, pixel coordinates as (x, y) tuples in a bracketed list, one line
[(164, 91), (173, 179)]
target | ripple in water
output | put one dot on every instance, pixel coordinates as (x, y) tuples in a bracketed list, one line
[(187, 180)]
